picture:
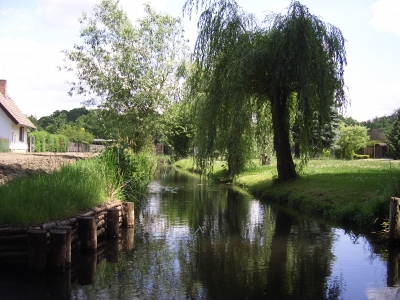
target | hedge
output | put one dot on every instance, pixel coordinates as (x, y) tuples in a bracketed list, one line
[(46, 142)]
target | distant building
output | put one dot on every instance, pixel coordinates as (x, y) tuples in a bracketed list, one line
[(14, 125), (376, 151)]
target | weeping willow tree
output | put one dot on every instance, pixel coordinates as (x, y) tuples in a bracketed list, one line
[(290, 66)]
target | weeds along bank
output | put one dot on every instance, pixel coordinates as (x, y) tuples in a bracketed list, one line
[(116, 174), (356, 191)]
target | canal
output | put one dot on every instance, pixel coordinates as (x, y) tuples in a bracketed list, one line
[(197, 240)]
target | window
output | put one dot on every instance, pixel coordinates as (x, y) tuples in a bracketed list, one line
[(21, 134)]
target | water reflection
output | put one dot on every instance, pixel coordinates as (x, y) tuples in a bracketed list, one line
[(195, 240)]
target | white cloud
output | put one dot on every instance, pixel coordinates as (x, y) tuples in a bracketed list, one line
[(66, 12), (386, 16), (33, 80), (373, 99), (135, 10), (63, 12)]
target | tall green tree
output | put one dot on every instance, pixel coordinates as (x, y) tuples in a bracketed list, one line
[(394, 138), (294, 62), (129, 71)]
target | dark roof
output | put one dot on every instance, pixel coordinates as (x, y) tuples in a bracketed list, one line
[(13, 112)]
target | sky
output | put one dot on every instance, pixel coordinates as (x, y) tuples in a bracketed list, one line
[(33, 33)]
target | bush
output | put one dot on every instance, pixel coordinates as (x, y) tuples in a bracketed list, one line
[(134, 169), (4, 145), (360, 156)]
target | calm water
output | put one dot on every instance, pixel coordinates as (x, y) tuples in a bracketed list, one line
[(195, 240)]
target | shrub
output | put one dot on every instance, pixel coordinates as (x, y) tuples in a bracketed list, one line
[(360, 156), (134, 169), (4, 145)]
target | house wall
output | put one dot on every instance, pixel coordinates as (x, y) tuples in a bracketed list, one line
[(5, 125), (10, 131), (15, 144)]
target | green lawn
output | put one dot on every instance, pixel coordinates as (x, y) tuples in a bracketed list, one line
[(355, 191)]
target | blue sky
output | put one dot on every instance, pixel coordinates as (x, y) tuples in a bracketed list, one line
[(33, 32)]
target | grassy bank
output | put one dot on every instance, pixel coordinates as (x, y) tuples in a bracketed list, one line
[(114, 174), (355, 191)]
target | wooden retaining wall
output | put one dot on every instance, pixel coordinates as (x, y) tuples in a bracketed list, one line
[(15, 243)]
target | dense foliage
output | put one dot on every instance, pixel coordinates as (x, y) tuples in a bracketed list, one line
[(76, 134), (394, 139), (378, 127), (59, 118), (178, 129), (129, 71), (91, 120), (289, 67)]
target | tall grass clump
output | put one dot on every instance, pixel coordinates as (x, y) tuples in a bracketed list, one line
[(61, 194), (134, 170)]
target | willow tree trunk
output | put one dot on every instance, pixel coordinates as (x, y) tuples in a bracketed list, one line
[(281, 127)]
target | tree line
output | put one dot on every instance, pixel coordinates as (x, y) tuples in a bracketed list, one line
[(78, 124)]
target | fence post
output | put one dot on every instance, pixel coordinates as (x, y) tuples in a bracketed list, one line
[(112, 222), (58, 247), (37, 249), (129, 214), (87, 231), (394, 219)]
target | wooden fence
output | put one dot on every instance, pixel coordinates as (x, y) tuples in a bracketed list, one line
[(78, 147), (17, 244)]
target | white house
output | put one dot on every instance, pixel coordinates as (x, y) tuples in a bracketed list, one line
[(14, 125)]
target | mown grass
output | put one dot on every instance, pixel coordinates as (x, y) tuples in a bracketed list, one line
[(74, 188), (355, 191)]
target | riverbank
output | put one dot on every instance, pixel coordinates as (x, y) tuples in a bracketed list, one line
[(355, 192), (115, 174)]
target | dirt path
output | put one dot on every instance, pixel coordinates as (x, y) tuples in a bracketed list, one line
[(14, 165)]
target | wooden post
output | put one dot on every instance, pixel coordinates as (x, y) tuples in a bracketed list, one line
[(129, 214), (87, 269), (58, 247), (112, 222), (37, 249), (128, 239), (112, 250), (68, 241), (393, 267), (59, 285), (87, 231), (394, 219)]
